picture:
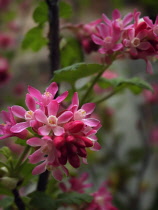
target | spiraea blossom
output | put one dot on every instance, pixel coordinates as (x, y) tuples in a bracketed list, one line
[(59, 135)]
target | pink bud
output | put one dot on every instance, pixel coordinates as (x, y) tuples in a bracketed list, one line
[(59, 141), (74, 160), (87, 141), (82, 152), (74, 127)]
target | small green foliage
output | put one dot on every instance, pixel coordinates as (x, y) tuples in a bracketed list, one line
[(34, 39), (65, 10), (74, 72), (6, 152), (20, 142), (136, 85), (40, 200), (6, 202), (71, 52), (74, 198), (40, 14)]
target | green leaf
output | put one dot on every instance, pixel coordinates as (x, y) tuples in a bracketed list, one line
[(6, 202), (40, 14), (136, 85), (70, 52), (74, 198), (74, 72), (34, 39), (20, 142), (41, 200), (65, 10), (6, 152)]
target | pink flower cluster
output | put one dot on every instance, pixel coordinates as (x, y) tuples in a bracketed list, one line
[(102, 200), (59, 135), (138, 40)]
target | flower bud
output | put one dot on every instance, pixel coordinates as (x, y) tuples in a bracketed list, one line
[(74, 127)]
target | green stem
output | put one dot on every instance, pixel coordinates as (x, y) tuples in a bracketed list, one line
[(107, 96), (26, 150), (91, 86)]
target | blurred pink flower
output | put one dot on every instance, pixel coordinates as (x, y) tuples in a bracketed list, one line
[(76, 184), (151, 97), (4, 73), (102, 200)]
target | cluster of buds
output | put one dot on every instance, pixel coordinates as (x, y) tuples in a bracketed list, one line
[(59, 135)]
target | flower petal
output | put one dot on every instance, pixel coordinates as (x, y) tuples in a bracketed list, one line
[(91, 122), (17, 128), (30, 102), (34, 92), (62, 97), (116, 14), (52, 88), (36, 157), (40, 116), (65, 117), (97, 40), (88, 107), (53, 107), (44, 130), (35, 142), (106, 19), (39, 169), (18, 111), (58, 131), (57, 174)]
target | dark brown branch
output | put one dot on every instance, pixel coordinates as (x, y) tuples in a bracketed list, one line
[(54, 57), (17, 199), (53, 35)]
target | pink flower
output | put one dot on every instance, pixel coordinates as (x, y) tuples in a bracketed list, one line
[(102, 200), (44, 99), (117, 22), (47, 155), (151, 25), (28, 116), (83, 33), (52, 122), (76, 184), (9, 122), (107, 39)]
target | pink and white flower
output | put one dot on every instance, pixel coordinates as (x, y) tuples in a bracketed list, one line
[(52, 122), (44, 99)]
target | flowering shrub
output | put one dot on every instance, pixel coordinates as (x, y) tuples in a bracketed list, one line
[(59, 129)]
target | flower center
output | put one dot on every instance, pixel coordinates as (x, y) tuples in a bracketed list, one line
[(47, 97), (100, 200), (29, 115), (108, 39), (80, 114), (45, 149), (135, 42), (52, 120)]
